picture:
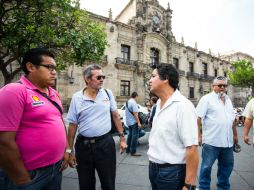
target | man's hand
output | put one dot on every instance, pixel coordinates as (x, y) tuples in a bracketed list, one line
[(122, 145), (10, 159), (72, 160), (139, 125), (246, 139), (65, 161), (247, 125)]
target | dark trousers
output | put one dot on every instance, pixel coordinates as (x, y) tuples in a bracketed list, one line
[(132, 139), (45, 178), (100, 155), (167, 177)]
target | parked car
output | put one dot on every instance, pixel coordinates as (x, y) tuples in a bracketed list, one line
[(121, 111)]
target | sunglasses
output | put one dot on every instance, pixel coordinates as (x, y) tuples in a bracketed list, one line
[(222, 85), (100, 77)]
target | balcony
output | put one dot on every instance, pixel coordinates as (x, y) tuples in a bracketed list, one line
[(125, 64), (181, 72), (192, 75), (206, 77), (120, 60)]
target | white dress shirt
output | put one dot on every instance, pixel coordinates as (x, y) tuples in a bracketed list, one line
[(174, 128), (217, 120)]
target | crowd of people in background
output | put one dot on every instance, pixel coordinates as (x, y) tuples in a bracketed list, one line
[(35, 146)]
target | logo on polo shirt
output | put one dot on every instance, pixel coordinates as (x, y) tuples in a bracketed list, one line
[(106, 100), (36, 101)]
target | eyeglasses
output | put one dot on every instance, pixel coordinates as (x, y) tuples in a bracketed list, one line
[(49, 67), (100, 77), (222, 85)]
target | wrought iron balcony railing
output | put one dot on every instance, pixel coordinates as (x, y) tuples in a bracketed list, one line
[(206, 77), (181, 72), (192, 75), (120, 60)]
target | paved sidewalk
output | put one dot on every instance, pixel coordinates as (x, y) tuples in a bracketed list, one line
[(132, 172)]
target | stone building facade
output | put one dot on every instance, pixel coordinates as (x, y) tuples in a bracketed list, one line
[(141, 36)]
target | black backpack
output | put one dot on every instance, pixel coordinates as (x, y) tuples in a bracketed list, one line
[(141, 116)]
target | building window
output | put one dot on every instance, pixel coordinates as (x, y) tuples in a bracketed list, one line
[(204, 68), (225, 74), (154, 56), (191, 67), (176, 62), (191, 92), (125, 88), (125, 50), (215, 72)]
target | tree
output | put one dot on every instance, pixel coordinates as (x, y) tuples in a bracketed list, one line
[(242, 74), (57, 24)]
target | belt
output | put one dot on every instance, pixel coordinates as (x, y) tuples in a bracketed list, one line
[(91, 140), (165, 165)]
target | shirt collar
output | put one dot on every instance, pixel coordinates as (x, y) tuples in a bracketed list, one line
[(28, 84), (175, 97), (214, 94), (85, 97)]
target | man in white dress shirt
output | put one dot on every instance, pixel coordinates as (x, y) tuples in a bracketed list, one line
[(173, 141), (216, 113)]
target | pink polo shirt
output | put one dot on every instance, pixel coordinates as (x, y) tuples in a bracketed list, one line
[(41, 136)]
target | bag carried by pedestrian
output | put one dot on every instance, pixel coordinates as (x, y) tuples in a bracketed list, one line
[(141, 116)]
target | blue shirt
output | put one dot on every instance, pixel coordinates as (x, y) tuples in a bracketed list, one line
[(92, 116), (217, 120), (133, 107)]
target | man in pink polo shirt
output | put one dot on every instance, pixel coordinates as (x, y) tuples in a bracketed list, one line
[(33, 146)]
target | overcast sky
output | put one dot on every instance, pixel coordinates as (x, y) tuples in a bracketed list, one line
[(221, 25)]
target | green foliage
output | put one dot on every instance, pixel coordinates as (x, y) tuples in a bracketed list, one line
[(55, 24), (242, 74)]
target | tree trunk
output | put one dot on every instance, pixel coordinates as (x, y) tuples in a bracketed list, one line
[(8, 77), (7, 80)]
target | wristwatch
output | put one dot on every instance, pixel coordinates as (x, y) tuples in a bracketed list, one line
[(189, 186), (68, 150), (120, 134)]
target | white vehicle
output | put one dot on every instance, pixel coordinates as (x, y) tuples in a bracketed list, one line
[(121, 111)]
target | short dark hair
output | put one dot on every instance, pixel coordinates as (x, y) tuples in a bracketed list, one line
[(34, 56), (168, 72), (134, 94)]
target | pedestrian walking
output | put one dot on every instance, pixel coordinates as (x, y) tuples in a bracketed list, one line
[(133, 123), (216, 114)]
